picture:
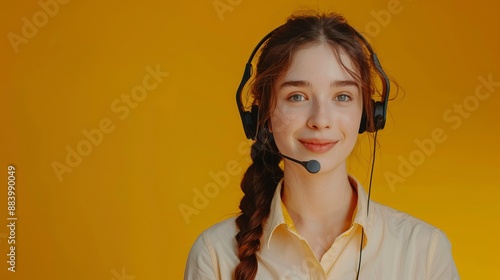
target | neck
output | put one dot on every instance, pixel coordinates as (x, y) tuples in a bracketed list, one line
[(316, 195), (319, 202)]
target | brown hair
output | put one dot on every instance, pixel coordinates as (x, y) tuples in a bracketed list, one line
[(262, 176)]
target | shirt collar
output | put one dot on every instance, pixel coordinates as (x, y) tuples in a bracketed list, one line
[(277, 218), (361, 217)]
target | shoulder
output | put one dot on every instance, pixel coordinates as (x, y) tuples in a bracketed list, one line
[(213, 247), (217, 237), (402, 229), (220, 236), (398, 222), (414, 240), (222, 227)]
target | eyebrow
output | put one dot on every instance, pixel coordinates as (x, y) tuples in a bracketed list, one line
[(344, 83), (302, 83), (299, 83)]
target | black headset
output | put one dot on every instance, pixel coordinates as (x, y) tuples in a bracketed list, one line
[(249, 119)]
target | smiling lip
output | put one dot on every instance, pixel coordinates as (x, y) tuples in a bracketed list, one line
[(318, 145)]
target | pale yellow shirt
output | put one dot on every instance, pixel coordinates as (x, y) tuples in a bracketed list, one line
[(396, 246)]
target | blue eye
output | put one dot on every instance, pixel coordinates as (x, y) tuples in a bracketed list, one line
[(343, 98), (296, 98)]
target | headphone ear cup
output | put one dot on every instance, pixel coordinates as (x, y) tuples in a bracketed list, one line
[(378, 115), (363, 125), (255, 117), (250, 119)]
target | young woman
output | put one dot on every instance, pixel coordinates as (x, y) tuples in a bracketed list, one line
[(313, 86)]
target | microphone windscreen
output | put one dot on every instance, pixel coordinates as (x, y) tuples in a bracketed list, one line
[(313, 166)]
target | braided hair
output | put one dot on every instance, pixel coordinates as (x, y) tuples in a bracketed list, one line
[(262, 176)]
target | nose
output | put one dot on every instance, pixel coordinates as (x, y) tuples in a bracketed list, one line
[(320, 115)]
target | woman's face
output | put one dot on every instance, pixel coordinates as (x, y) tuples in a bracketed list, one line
[(318, 108)]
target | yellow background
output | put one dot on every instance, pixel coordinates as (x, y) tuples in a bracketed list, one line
[(117, 213)]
